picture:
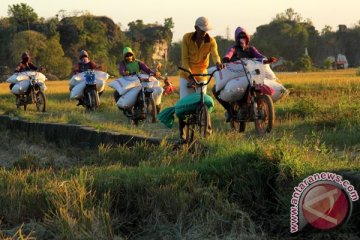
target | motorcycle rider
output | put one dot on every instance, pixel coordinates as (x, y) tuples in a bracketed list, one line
[(129, 66), (240, 50), (195, 55), (24, 65), (85, 64)]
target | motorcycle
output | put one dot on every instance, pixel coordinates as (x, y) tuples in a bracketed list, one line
[(256, 105), (91, 99), (139, 102), (87, 88), (29, 90)]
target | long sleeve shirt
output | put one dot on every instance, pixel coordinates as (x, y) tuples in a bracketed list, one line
[(236, 53), (23, 66), (196, 58), (141, 67)]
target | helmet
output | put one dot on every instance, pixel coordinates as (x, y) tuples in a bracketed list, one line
[(239, 31), (83, 53), (127, 50), (25, 55)]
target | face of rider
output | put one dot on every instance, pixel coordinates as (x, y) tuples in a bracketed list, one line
[(84, 59), (242, 40), (26, 59), (200, 32), (129, 57)]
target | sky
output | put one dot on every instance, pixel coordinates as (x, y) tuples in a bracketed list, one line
[(223, 15)]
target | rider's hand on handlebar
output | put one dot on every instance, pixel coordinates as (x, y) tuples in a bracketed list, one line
[(226, 60), (220, 65), (271, 60), (190, 84), (157, 74)]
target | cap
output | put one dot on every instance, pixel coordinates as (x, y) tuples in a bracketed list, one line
[(84, 53), (203, 23), (24, 55)]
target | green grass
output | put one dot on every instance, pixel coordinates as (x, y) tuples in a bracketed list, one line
[(231, 186)]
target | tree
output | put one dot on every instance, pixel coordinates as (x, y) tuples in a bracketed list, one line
[(30, 41), (23, 15), (43, 52), (288, 15), (168, 23), (304, 63), (53, 60)]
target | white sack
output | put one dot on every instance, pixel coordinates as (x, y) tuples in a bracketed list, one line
[(232, 70), (280, 90), (157, 94), (124, 84), (269, 74), (21, 87), (77, 78), (18, 77), (78, 90), (128, 100), (100, 85), (234, 89)]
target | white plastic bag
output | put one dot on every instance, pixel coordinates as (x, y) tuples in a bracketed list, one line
[(124, 84), (280, 90), (78, 90), (77, 78), (100, 85), (21, 87), (157, 94), (18, 77), (234, 89), (232, 70), (128, 100), (269, 74)]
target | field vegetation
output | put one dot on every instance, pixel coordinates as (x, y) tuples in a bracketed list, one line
[(230, 186)]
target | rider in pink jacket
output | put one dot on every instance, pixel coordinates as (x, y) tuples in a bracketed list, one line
[(240, 50)]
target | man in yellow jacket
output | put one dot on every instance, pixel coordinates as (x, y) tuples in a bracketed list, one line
[(195, 54)]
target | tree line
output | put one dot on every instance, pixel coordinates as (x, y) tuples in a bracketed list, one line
[(54, 43)]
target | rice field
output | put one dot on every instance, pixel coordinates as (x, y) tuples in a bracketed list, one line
[(231, 186)]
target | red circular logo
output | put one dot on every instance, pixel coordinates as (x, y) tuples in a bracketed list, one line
[(325, 206)]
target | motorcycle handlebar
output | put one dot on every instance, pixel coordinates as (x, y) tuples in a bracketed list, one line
[(192, 75)]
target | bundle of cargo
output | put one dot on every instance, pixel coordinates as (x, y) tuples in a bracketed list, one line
[(232, 81), (78, 83), (129, 87), (21, 81)]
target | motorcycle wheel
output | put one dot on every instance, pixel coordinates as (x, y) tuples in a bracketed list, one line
[(203, 121), (266, 114), (150, 110), (40, 101), (92, 100), (190, 125)]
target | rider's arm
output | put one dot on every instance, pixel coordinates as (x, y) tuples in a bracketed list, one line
[(229, 54), (76, 69), (185, 53), (19, 68), (255, 53), (145, 68), (122, 69), (93, 65), (32, 66)]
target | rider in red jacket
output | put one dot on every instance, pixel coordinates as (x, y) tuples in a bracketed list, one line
[(24, 65), (84, 63)]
